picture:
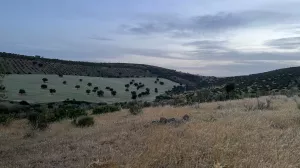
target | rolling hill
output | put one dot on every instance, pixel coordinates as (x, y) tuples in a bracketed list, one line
[(267, 81)]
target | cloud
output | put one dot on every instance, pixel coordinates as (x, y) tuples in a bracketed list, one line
[(95, 37), (285, 43), (204, 23)]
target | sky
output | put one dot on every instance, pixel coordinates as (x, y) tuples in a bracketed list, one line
[(205, 37)]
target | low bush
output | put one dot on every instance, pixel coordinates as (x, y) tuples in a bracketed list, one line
[(38, 120), (65, 112), (106, 109), (84, 121), (5, 119), (135, 108)]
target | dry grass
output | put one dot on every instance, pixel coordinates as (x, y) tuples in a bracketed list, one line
[(230, 136)]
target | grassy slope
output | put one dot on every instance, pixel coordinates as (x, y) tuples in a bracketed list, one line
[(32, 85), (213, 138)]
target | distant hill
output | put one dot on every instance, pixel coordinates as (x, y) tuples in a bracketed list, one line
[(20, 64)]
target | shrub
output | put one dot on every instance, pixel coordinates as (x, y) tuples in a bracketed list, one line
[(96, 88), (161, 83), (127, 85), (23, 102), (84, 121), (64, 82), (22, 91), (77, 87), (297, 100), (50, 105), (80, 80), (106, 109), (38, 120), (5, 119), (155, 90), (88, 91), (147, 104), (45, 80), (52, 91), (43, 86), (135, 108), (127, 90), (60, 75), (89, 84), (65, 112)]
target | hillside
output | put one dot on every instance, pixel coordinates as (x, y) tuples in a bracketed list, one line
[(21, 64), (230, 136), (267, 81)]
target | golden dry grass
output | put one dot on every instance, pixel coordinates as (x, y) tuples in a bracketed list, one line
[(228, 136)]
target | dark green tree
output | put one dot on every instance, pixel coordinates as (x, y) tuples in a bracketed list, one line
[(45, 80), (52, 91), (22, 92), (77, 87)]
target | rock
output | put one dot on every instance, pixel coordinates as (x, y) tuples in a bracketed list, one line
[(171, 120), (186, 117), (163, 120), (155, 122)]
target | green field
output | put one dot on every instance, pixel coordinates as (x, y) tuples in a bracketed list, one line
[(34, 94)]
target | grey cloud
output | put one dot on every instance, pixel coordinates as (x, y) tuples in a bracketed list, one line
[(285, 43), (219, 50), (205, 23), (100, 38), (244, 68)]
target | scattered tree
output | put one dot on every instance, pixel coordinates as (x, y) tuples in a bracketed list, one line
[(161, 83), (45, 80), (52, 91), (64, 82), (113, 93), (88, 91), (127, 85), (77, 87), (43, 86), (96, 88), (80, 80), (133, 96), (89, 84), (60, 75), (127, 90), (155, 90), (100, 93), (22, 91)]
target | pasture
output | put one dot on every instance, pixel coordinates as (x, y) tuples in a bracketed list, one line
[(35, 94)]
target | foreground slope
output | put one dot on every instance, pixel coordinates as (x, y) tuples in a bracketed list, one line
[(218, 134)]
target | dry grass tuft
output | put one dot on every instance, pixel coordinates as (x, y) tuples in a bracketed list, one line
[(231, 136)]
